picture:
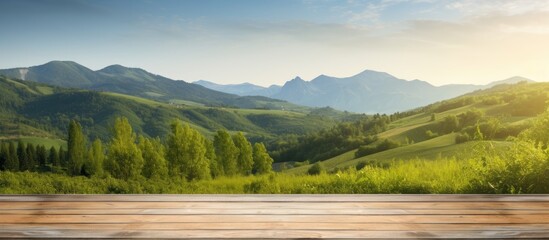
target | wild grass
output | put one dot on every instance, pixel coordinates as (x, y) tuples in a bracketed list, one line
[(523, 168)]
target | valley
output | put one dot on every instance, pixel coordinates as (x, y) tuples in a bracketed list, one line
[(311, 147)]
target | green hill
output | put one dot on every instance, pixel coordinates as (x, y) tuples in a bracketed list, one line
[(138, 82), (36, 110), (450, 128)]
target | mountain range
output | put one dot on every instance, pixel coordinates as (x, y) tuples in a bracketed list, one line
[(366, 92), (136, 82)]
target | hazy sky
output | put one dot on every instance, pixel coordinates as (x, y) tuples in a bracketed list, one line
[(270, 42)]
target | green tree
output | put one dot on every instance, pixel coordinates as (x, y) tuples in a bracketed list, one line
[(54, 157), (187, 153), (155, 166), (41, 155), (316, 169), (226, 152), (124, 158), (31, 157), (244, 160), (4, 154), (76, 149), (215, 168), (22, 156), (96, 156), (63, 158), (263, 163), (12, 161), (449, 124)]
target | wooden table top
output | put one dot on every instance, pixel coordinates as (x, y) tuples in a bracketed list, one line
[(274, 216)]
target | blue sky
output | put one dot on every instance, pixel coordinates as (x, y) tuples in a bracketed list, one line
[(270, 42)]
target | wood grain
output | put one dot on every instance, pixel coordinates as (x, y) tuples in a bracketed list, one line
[(274, 216)]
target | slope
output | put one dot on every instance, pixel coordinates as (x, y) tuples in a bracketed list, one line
[(452, 128), (133, 81), (33, 109)]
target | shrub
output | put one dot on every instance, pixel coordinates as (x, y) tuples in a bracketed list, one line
[(462, 137), (316, 169)]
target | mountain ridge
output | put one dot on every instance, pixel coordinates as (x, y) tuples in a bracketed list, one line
[(133, 81), (368, 92)]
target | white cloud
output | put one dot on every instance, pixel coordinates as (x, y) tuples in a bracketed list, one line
[(506, 7)]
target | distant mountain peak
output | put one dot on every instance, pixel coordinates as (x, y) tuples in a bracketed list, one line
[(511, 80), (119, 69), (370, 73), (298, 78)]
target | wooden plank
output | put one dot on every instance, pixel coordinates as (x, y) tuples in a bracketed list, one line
[(274, 216), (281, 198), (277, 234), (266, 211), (524, 219), (278, 205), (281, 226)]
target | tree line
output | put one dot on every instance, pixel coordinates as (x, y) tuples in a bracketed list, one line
[(185, 153)]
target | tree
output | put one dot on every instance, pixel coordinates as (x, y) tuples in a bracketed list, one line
[(31, 157), (4, 154), (244, 160), (155, 166), (54, 157), (263, 163), (63, 158), (22, 156), (41, 155), (187, 153), (12, 161), (125, 160), (76, 149), (94, 162), (316, 169), (226, 152), (449, 124), (215, 168)]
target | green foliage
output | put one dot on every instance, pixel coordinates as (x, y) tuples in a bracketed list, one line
[(95, 159), (380, 147), (155, 166), (12, 159), (430, 134), (22, 155), (539, 132), (462, 137), (316, 169), (449, 124), (124, 158), (226, 152), (187, 153), (76, 149), (329, 143), (244, 160), (522, 169), (263, 163), (54, 158)]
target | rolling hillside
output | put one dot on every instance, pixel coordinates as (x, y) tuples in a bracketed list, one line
[(136, 82), (36, 110), (452, 128)]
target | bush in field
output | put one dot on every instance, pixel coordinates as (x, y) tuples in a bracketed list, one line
[(316, 169), (462, 137)]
